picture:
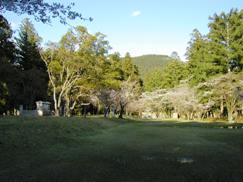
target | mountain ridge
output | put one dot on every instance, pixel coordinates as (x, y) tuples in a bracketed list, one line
[(149, 62)]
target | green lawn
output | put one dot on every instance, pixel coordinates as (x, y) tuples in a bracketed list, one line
[(94, 149)]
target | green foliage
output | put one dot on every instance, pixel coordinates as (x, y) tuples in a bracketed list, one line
[(28, 42), (224, 91), (218, 52), (148, 63), (226, 38), (130, 70), (7, 47), (79, 68), (199, 65), (153, 80), (9, 76), (3, 96), (41, 10), (31, 66), (174, 55), (168, 77), (114, 74)]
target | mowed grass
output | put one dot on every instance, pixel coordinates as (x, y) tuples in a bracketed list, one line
[(97, 149)]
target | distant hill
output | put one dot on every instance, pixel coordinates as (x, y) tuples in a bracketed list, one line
[(147, 63)]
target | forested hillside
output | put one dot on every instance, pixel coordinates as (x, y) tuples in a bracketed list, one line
[(147, 63)]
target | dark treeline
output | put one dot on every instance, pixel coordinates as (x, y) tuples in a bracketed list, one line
[(23, 76)]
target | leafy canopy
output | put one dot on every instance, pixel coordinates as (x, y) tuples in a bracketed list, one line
[(41, 10)]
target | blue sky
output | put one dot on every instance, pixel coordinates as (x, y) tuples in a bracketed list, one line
[(139, 26)]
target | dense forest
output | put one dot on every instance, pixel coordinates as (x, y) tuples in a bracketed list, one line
[(148, 63), (80, 69)]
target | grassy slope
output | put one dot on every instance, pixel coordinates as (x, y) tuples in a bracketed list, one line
[(147, 63), (74, 149)]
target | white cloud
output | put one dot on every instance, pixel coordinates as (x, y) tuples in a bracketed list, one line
[(136, 13)]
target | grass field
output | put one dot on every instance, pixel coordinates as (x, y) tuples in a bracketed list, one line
[(94, 149)]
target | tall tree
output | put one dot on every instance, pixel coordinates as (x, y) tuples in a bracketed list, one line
[(7, 46), (236, 53), (63, 73), (226, 38), (114, 74), (35, 78), (9, 76), (199, 65), (76, 66), (129, 69), (28, 43), (130, 85), (220, 50)]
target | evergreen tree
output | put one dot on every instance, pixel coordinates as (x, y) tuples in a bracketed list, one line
[(34, 75), (28, 44), (199, 65), (153, 79), (170, 76), (129, 69), (114, 73), (236, 53), (220, 50), (9, 75), (6, 48), (226, 38)]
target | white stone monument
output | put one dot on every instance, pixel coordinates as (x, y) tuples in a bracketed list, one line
[(43, 108)]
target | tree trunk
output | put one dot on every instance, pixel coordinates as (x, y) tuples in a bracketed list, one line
[(85, 111), (56, 108), (121, 111), (98, 107), (67, 111), (67, 106), (230, 117), (222, 108), (192, 116), (57, 112), (230, 112), (231, 105)]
